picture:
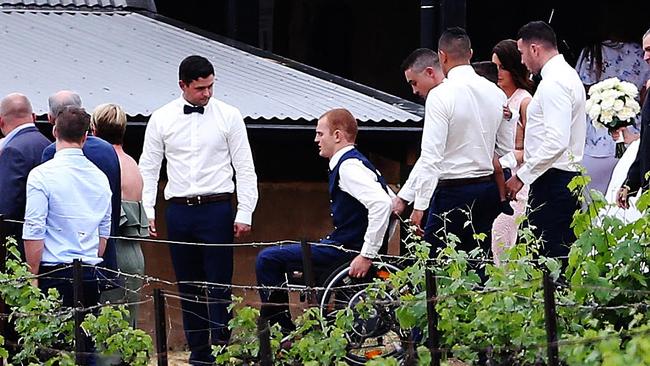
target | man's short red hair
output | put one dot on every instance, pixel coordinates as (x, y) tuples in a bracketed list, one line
[(341, 119)]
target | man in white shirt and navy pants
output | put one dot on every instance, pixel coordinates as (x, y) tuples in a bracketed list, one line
[(205, 143), (463, 129), (554, 142)]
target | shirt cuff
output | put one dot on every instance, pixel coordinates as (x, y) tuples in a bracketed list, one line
[(369, 251), (525, 175), (151, 213), (421, 203), (508, 161), (406, 194), (244, 217)]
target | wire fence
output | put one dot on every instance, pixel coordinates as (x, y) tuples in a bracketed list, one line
[(164, 324)]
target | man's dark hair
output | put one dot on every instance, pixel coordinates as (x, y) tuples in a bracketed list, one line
[(455, 42), (194, 67), (420, 59), (72, 123), (538, 32)]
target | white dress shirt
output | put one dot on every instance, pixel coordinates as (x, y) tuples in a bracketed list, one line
[(361, 183), (555, 130), (463, 128), (68, 207), (201, 151)]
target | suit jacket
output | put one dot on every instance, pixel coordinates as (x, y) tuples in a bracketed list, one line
[(18, 157), (636, 173), (103, 155)]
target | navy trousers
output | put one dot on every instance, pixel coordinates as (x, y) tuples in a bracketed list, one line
[(551, 211), (60, 278), (205, 313), (448, 213), (271, 265)]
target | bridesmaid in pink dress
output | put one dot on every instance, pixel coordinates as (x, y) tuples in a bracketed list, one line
[(513, 79)]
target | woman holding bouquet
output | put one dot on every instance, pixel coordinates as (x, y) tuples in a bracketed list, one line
[(614, 55), (513, 79)]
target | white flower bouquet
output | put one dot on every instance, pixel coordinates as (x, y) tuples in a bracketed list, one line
[(612, 104)]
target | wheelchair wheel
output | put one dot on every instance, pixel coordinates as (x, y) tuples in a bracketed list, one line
[(376, 335)]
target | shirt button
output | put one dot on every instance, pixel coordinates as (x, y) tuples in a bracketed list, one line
[(327, 237), (331, 201), (331, 214)]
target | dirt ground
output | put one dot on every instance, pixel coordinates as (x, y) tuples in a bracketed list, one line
[(175, 358)]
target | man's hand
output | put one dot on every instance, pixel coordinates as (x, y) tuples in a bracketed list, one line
[(507, 113), (416, 219), (513, 186), (628, 137), (241, 230), (621, 197), (360, 266), (152, 228), (399, 205)]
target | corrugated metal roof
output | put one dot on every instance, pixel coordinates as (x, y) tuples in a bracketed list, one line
[(130, 59), (119, 4)]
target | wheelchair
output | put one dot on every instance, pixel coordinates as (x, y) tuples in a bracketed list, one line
[(376, 334)]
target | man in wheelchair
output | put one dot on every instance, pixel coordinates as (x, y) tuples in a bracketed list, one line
[(360, 208)]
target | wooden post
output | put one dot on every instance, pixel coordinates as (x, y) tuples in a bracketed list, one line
[(160, 325), (78, 304), (3, 259), (432, 317), (264, 335), (308, 272), (551, 320)]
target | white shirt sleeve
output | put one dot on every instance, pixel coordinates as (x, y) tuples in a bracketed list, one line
[(245, 177), (505, 140), (358, 181), (36, 208), (425, 174), (153, 151), (105, 224), (556, 103)]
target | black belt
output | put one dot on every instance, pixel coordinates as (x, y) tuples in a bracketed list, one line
[(198, 200), (464, 181)]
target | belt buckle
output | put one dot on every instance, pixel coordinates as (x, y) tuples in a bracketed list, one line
[(198, 200), (188, 201)]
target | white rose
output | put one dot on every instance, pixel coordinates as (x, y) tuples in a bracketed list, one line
[(626, 114), (596, 96), (594, 89), (629, 89), (609, 83), (632, 104), (594, 111), (618, 104), (597, 124), (607, 103), (606, 116)]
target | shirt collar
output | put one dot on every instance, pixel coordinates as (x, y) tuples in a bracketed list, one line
[(337, 156), (460, 71), (69, 151), (14, 132), (550, 64)]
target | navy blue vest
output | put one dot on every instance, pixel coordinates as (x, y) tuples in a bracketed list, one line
[(350, 216)]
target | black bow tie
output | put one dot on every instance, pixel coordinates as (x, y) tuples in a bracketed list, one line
[(188, 109)]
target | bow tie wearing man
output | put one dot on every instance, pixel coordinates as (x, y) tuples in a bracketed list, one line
[(204, 151), (188, 109)]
